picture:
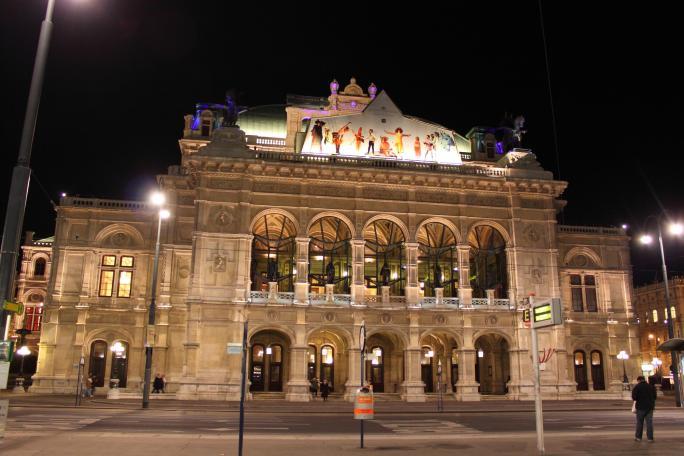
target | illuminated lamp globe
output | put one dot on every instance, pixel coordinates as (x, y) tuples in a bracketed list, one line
[(646, 239), (157, 198), (23, 351), (164, 214), (677, 229)]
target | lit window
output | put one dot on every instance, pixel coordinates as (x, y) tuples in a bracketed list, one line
[(106, 283), (109, 260), (655, 315), (673, 312), (33, 317), (125, 284), (126, 261)]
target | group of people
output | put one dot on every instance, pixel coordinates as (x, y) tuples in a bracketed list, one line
[(315, 386), (90, 382), (159, 383)]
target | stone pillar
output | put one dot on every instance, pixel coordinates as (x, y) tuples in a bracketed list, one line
[(385, 293), (354, 377), (512, 270), (329, 293), (439, 297), (358, 290), (490, 296), (465, 293), (413, 388), (466, 387), (412, 286), (302, 284), (188, 383), (298, 384), (272, 292)]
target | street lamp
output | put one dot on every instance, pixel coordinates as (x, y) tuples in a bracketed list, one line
[(623, 356), (675, 229), (16, 202), (656, 362), (157, 199)]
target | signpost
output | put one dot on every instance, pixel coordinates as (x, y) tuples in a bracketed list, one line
[(362, 387), (242, 388), (16, 307), (549, 313)]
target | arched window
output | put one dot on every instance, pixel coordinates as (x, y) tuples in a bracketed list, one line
[(580, 363), (384, 257), (673, 312), (311, 362), (488, 269), (328, 365), (329, 255), (39, 267), (273, 250), (655, 315), (437, 259), (119, 351), (597, 371), (376, 369)]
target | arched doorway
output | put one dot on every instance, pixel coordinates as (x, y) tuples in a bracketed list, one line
[(119, 371), (273, 251), (268, 368), (454, 368), (580, 363), (384, 257), (492, 364), (330, 348), (329, 255), (437, 260), (385, 362), (98, 361), (488, 268), (597, 371), (311, 362), (427, 355)]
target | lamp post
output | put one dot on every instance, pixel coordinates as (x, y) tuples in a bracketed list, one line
[(675, 229), (16, 202), (623, 356), (157, 199)]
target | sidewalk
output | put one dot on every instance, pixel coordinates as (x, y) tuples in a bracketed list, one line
[(318, 406)]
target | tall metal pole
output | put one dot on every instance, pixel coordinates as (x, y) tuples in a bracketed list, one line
[(242, 388), (362, 357), (149, 334), (538, 412), (16, 203), (670, 323)]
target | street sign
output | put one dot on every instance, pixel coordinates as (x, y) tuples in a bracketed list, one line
[(234, 348), (545, 314), (15, 307), (363, 405), (526, 316)]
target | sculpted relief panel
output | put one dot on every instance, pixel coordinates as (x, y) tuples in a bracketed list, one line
[(533, 235)]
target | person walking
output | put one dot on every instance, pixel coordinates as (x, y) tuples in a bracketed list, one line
[(325, 390), (313, 387), (158, 384), (163, 377), (644, 396)]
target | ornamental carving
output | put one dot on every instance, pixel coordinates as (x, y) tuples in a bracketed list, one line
[(183, 272), (386, 318), (532, 234), (272, 315), (223, 218), (491, 320), (329, 317), (120, 239), (219, 263), (440, 319)]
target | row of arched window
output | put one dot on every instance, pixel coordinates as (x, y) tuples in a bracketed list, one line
[(330, 257), (581, 370)]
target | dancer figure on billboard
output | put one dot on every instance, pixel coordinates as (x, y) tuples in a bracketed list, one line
[(358, 139), (398, 140), (338, 137), (371, 142), (429, 147), (416, 147), (317, 135), (385, 149)]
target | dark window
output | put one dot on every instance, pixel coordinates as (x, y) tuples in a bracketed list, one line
[(39, 268)]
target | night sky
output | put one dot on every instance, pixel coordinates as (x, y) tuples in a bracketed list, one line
[(122, 73)]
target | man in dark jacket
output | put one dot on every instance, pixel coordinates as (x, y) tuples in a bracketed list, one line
[(645, 397)]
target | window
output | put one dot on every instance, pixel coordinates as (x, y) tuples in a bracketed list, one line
[(39, 267), (583, 292), (33, 317), (126, 261), (673, 312), (122, 277), (124, 284), (655, 315), (106, 283)]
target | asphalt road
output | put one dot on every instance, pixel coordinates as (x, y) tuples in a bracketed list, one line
[(28, 419)]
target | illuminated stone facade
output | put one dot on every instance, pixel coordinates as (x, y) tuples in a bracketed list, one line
[(436, 259)]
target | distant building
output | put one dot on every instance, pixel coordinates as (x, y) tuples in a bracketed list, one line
[(650, 313), (322, 214)]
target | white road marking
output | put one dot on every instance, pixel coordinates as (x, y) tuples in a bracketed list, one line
[(422, 426)]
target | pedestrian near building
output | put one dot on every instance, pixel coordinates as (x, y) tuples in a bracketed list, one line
[(163, 377), (644, 396), (313, 387), (325, 390), (158, 384)]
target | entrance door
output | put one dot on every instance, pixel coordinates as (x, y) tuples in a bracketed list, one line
[(454, 368), (327, 365), (311, 362), (120, 363), (581, 371), (597, 371), (426, 376), (98, 360), (275, 368), (257, 371), (377, 370)]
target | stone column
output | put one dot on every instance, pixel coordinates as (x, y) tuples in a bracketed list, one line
[(298, 384), (466, 387), (412, 286), (439, 297), (329, 293), (385, 294), (302, 284), (188, 383), (511, 269), (358, 290), (272, 292), (413, 388), (354, 377), (465, 293)]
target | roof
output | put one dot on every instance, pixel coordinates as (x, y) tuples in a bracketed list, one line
[(268, 121)]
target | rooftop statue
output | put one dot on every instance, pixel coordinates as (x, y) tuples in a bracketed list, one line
[(230, 110)]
